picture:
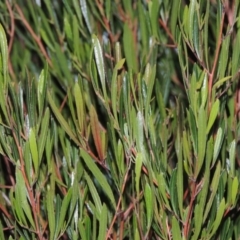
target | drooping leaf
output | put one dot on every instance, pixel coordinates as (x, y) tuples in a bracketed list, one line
[(98, 175)]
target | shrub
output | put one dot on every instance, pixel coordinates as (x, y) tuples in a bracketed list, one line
[(119, 119)]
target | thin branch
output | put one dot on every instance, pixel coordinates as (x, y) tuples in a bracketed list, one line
[(218, 47), (35, 37), (118, 205)]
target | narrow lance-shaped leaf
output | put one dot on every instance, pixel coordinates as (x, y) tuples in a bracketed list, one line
[(217, 144), (235, 190), (213, 188), (79, 100), (143, 24), (95, 126), (114, 87), (201, 140), (21, 196), (154, 12), (139, 131), (41, 89), (174, 17), (98, 175), (148, 195), (176, 233), (3, 71), (219, 217), (61, 120), (196, 41), (43, 134), (173, 191), (34, 150), (103, 222), (129, 48), (94, 193), (99, 62), (232, 151), (4, 55), (138, 167), (198, 211), (192, 9), (85, 13), (213, 114), (63, 212), (50, 211)]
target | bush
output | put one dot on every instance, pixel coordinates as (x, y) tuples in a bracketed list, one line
[(119, 119)]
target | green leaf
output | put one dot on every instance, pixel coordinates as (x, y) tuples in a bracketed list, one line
[(43, 134), (98, 175), (4, 56), (202, 139), (206, 29), (95, 127), (61, 62), (63, 212), (221, 81), (198, 215), (143, 25), (174, 17), (61, 120), (103, 222), (150, 84), (50, 211), (94, 193), (41, 90), (223, 58), (114, 87), (235, 185), (129, 48), (213, 188), (79, 100), (21, 197), (176, 233), (219, 217), (99, 62), (180, 182), (85, 14), (154, 13), (148, 195), (173, 191), (34, 150), (217, 144), (76, 38), (139, 132), (178, 147), (67, 28), (162, 187), (192, 10), (138, 167), (204, 90), (196, 41), (213, 114), (232, 152)]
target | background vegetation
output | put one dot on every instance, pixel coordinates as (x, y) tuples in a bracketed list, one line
[(119, 119)]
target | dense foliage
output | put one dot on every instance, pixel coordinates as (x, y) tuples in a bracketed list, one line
[(119, 119)]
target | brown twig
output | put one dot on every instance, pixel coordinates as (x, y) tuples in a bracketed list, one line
[(189, 215), (163, 25), (211, 74), (118, 204), (36, 38)]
